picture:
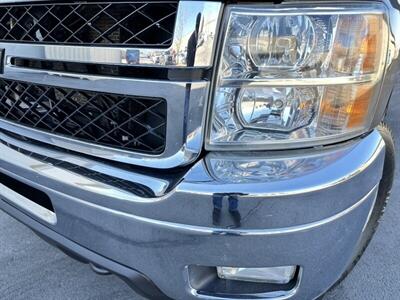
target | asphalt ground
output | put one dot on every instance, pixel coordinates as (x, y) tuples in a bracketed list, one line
[(31, 269)]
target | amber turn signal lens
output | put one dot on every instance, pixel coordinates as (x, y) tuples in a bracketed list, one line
[(345, 107), (357, 48)]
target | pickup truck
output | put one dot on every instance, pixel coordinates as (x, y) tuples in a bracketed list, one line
[(200, 149)]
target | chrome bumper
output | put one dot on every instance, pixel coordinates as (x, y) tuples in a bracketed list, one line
[(309, 211)]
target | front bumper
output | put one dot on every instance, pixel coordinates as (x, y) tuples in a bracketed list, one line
[(310, 214)]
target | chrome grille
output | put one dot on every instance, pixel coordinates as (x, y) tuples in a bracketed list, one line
[(161, 64), (125, 122), (97, 23)]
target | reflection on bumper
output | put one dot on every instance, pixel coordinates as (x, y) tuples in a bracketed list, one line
[(304, 208)]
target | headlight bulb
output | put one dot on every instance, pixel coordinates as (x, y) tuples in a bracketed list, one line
[(282, 42)]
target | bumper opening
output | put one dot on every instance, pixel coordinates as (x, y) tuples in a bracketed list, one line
[(30, 193), (205, 281)]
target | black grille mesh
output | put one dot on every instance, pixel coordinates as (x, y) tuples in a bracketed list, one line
[(122, 23), (125, 122)]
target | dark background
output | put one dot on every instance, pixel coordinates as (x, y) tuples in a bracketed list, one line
[(31, 269)]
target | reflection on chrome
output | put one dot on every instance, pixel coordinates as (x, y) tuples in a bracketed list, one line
[(233, 208), (261, 169)]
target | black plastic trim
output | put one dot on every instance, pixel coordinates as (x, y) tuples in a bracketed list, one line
[(2, 58), (139, 72)]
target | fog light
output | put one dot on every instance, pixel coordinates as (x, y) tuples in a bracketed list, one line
[(278, 275)]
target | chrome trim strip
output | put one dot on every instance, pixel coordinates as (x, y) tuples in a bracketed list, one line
[(195, 19), (158, 186), (27, 205), (363, 78), (290, 9), (74, 179)]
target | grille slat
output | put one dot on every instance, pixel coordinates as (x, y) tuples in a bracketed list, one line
[(135, 24), (120, 121)]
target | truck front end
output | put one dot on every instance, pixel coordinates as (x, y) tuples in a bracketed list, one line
[(200, 149)]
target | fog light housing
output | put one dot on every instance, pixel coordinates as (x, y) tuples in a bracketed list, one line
[(277, 275)]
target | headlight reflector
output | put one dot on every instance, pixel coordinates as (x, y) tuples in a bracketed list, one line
[(288, 75), (277, 108)]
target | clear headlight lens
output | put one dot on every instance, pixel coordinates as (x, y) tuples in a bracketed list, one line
[(281, 42), (290, 75)]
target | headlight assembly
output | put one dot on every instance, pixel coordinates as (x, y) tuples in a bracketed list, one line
[(291, 76)]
